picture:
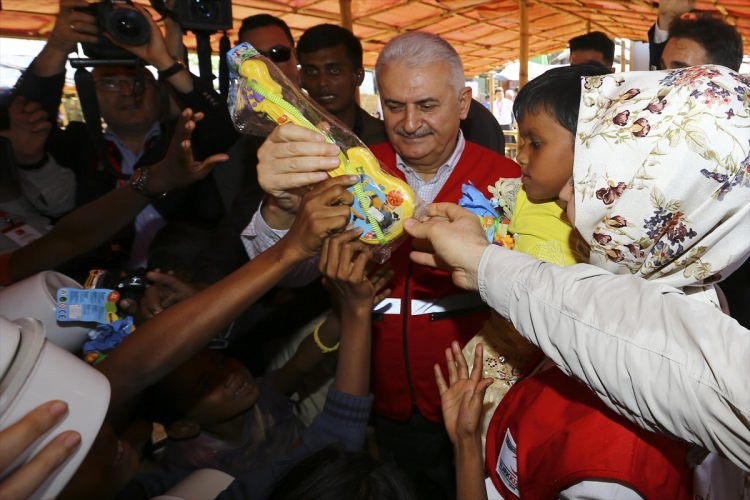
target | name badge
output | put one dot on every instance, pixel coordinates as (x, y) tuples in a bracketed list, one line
[(507, 464)]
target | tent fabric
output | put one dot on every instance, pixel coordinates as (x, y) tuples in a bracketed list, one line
[(485, 33)]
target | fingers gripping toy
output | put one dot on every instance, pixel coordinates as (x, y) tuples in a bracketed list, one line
[(382, 202)]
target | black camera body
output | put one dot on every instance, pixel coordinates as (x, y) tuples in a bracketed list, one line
[(199, 15), (123, 22)]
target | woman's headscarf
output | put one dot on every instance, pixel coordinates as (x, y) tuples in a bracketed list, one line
[(662, 173)]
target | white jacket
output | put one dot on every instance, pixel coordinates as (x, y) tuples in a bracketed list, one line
[(667, 362)]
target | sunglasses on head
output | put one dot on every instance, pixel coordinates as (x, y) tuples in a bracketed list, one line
[(277, 53)]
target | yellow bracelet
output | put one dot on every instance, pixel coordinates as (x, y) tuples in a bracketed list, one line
[(316, 338)]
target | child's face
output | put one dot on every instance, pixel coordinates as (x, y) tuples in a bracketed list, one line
[(545, 155), (220, 387)]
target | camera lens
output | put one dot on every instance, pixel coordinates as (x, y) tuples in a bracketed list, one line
[(128, 26)]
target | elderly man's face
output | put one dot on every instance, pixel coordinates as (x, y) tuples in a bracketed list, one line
[(422, 113)]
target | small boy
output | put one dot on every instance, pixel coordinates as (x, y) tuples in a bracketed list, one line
[(653, 198), (546, 110)]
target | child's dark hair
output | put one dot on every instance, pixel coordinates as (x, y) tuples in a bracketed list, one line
[(557, 92), (333, 473)]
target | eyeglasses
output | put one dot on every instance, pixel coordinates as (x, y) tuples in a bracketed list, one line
[(114, 84), (277, 53)]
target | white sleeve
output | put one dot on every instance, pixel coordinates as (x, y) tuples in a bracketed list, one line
[(51, 189), (660, 35), (666, 362), (258, 236), (598, 490)]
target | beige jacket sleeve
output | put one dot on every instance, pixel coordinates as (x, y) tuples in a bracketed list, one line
[(668, 363)]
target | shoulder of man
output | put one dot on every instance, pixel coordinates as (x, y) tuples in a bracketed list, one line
[(373, 130)]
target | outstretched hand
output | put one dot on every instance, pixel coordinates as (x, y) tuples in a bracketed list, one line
[(164, 290), (345, 263), (74, 24), (21, 435), (463, 396), (179, 168), (29, 129), (451, 238), (325, 210), (291, 159), (669, 10)]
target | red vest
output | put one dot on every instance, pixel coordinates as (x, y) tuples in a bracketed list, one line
[(561, 434), (405, 346)]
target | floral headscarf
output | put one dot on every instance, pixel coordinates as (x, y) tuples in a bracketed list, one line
[(662, 173)]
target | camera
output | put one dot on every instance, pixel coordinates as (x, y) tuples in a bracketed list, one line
[(123, 22), (198, 15)]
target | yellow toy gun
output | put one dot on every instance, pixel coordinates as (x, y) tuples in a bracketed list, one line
[(382, 202)]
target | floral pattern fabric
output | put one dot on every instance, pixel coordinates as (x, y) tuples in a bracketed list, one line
[(662, 173)]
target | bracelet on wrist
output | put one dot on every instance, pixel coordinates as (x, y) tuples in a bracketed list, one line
[(316, 338), (138, 182), (171, 71)]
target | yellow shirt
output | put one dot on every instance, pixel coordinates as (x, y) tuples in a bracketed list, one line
[(539, 230)]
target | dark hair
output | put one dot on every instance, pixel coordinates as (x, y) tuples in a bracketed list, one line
[(333, 473), (595, 40), (721, 41), (324, 36), (558, 92), (262, 20)]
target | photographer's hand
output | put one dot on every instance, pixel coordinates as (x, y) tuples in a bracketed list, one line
[(155, 53), (28, 132), (71, 27)]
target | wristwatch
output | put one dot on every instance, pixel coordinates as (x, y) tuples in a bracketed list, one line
[(138, 181)]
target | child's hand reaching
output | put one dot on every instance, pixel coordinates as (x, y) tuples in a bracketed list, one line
[(345, 263), (462, 397)]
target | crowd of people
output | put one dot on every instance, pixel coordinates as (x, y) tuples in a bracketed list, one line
[(589, 341)]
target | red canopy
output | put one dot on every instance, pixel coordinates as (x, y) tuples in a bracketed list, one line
[(485, 33)]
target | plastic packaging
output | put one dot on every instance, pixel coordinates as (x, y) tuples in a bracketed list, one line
[(261, 97)]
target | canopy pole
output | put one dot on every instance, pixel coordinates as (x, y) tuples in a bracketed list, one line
[(492, 90), (623, 47), (345, 8), (523, 63)]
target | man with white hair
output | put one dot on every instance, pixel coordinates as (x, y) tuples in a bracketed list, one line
[(424, 98)]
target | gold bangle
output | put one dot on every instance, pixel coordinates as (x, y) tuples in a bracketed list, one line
[(316, 338)]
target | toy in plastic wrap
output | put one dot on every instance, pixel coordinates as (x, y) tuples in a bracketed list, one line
[(261, 97), (494, 214)]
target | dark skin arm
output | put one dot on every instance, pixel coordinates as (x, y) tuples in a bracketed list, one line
[(461, 401), (170, 338), (344, 263)]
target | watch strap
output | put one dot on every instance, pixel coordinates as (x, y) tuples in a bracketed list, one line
[(138, 182), (171, 71)]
